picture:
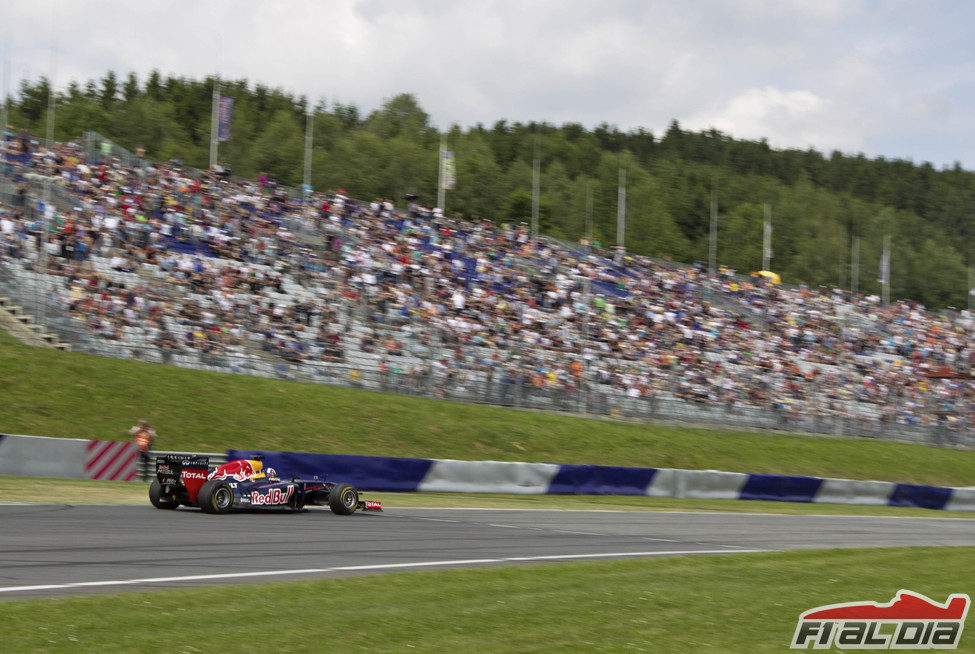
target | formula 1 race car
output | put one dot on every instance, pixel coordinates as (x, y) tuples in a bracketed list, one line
[(245, 484)]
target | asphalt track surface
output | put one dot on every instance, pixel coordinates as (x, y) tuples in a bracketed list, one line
[(48, 550)]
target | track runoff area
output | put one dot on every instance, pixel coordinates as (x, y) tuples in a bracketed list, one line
[(65, 550)]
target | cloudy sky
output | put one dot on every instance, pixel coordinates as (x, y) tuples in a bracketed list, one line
[(884, 77)]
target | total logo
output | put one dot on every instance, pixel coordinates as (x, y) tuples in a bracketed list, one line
[(908, 621), (193, 474), (273, 496)]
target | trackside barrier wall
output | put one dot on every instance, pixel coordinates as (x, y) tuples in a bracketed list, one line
[(37, 456), (373, 473), (34, 456), (962, 499), (848, 491), (111, 460), (451, 476), (92, 459)]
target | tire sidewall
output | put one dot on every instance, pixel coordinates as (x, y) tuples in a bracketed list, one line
[(338, 496), (218, 491), (205, 498)]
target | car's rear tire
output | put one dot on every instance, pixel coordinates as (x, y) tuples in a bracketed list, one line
[(343, 499), (159, 499), (215, 496)]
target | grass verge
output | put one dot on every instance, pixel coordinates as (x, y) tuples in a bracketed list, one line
[(52, 393), (84, 491), (727, 603)]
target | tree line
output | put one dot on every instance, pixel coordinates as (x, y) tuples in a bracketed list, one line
[(819, 202)]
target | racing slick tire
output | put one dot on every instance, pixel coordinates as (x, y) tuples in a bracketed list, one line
[(215, 496), (343, 499), (158, 499)]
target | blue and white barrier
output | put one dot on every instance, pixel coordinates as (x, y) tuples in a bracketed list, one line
[(962, 499), (848, 491), (374, 473), (450, 476)]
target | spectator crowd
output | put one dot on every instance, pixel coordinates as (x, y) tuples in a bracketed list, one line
[(168, 262)]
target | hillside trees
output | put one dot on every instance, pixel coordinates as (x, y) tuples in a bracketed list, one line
[(819, 202)]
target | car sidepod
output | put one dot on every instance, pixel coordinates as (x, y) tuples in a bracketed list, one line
[(268, 495)]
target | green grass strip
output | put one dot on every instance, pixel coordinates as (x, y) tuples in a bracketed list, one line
[(51, 393), (726, 603)]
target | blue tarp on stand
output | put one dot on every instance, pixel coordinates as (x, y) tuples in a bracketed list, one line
[(609, 289)]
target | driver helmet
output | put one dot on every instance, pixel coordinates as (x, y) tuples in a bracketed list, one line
[(270, 472)]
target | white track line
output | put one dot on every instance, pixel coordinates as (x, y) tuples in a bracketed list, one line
[(360, 568), (634, 510), (701, 512), (493, 524)]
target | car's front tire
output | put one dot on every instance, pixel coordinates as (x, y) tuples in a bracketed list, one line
[(159, 499), (215, 496), (343, 499)]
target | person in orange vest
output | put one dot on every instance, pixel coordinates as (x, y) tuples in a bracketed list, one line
[(143, 435)]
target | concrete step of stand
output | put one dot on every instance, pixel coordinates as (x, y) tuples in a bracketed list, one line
[(21, 326)]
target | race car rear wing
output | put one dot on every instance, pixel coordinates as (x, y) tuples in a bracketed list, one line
[(173, 464), (182, 473), (170, 468)]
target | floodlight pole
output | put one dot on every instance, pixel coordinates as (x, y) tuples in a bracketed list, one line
[(713, 241), (767, 239), (621, 210), (589, 216), (214, 124), (306, 188), (441, 191), (886, 276), (536, 171), (6, 95)]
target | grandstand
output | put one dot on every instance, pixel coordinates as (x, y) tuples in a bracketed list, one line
[(166, 264)]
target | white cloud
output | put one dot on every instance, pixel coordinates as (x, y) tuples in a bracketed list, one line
[(832, 73), (798, 118)]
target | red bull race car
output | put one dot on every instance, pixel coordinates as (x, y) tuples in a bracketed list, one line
[(245, 484)]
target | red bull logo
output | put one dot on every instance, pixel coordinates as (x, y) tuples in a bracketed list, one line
[(273, 496), (240, 470)]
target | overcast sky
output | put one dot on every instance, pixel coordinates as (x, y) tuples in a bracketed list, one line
[(887, 77)]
